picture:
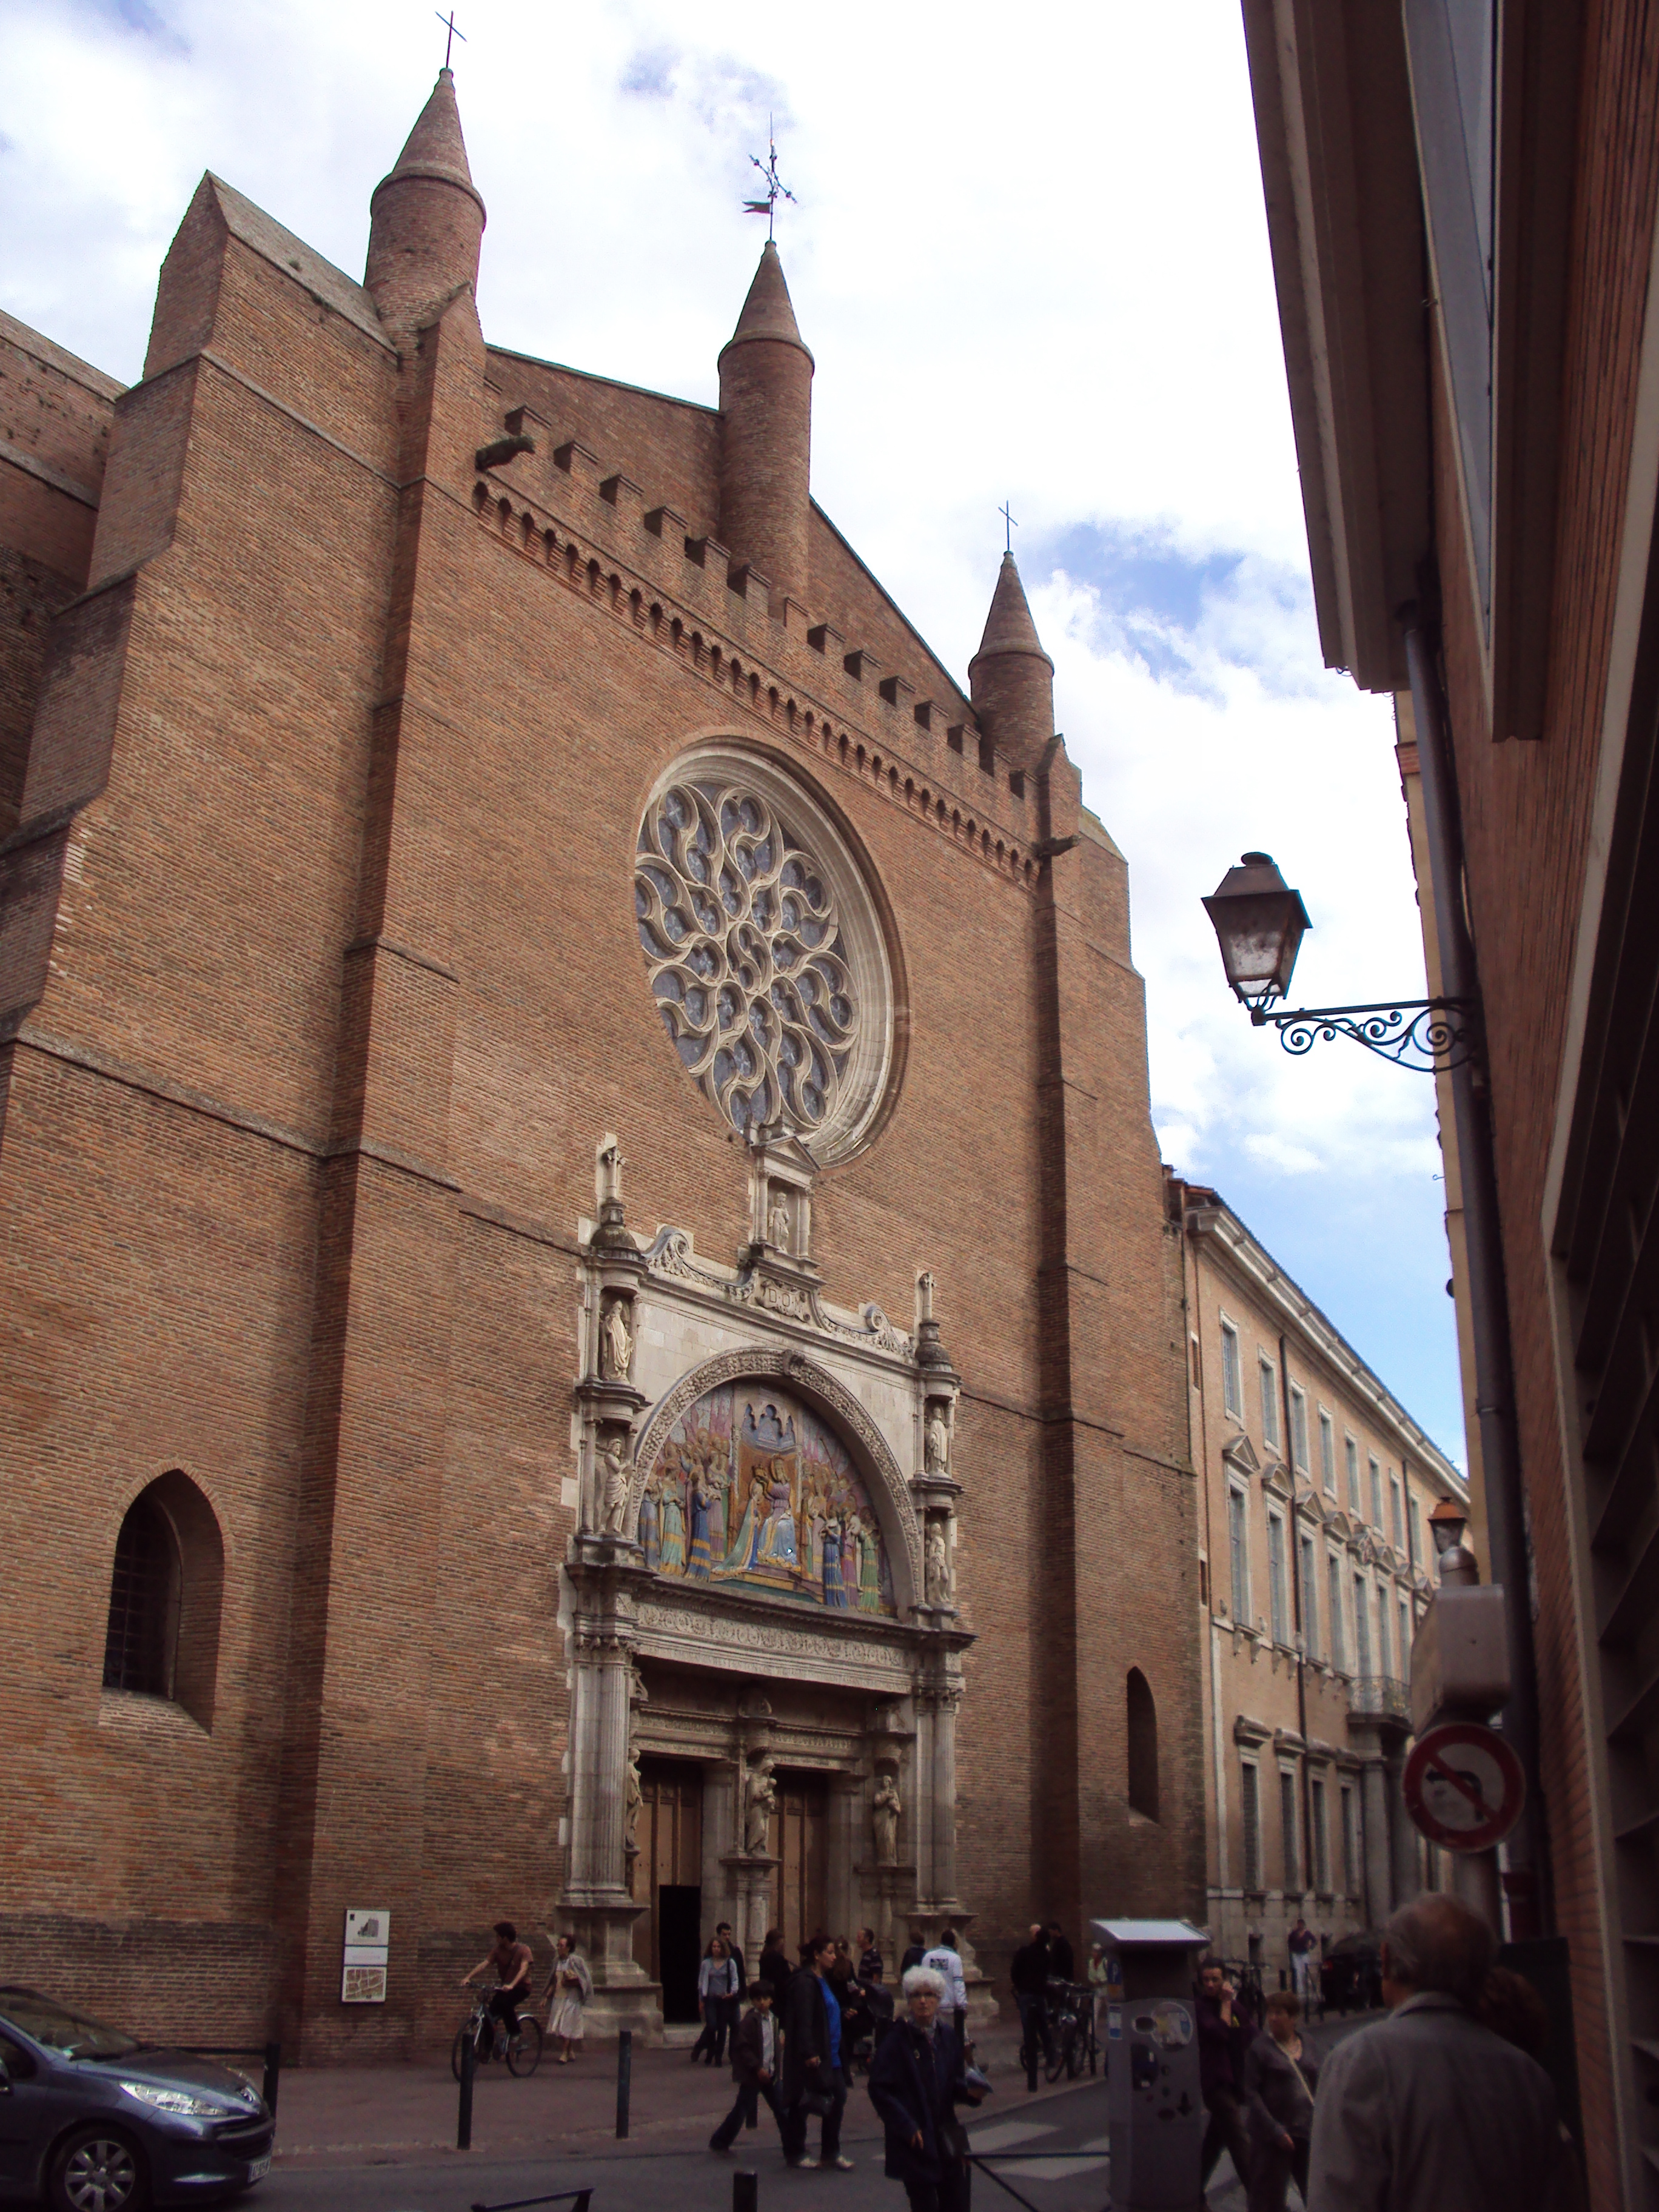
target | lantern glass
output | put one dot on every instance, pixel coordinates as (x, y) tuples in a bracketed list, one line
[(1260, 923)]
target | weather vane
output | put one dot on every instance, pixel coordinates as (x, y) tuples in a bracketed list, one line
[(1008, 534), (774, 190), (448, 21)]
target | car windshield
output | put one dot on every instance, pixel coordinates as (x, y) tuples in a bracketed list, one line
[(75, 2033)]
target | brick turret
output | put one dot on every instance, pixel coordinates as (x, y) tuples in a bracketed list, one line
[(1013, 678), (766, 434), (427, 219)]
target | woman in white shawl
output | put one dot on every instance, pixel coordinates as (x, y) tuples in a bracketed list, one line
[(568, 1990)]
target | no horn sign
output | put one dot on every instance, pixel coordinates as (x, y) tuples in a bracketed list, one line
[(1463, 1787)]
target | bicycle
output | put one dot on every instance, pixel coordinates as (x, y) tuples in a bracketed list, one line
[(522, 2050), (1067, 2004)]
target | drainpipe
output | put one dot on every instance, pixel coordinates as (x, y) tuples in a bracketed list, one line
[(1297, 1609), (1524, 1882)]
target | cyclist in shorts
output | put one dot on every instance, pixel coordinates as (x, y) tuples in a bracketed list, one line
[(511, 1961)]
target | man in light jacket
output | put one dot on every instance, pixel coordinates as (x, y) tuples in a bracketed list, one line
[(1429, 2110)]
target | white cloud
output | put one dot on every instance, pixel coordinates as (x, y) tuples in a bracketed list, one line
[(1032, 262)]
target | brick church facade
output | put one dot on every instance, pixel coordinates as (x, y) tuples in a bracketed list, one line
[(590, 1330)]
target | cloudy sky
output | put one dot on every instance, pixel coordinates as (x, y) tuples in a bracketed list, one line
[(1030, 256)]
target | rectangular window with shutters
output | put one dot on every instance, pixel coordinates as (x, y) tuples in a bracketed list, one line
[(1232, 1378), (1384, 1657), (1414, 1534), (1287, 1827), (1280, 1611), (1298, 1430), (1249, 1807), (1338, 1648), (1327, 1454), (1319, 1841), (1239, 1553), (1376, 1494), (1361, 1626), (1309, 1600), (1350, 1846), (1352, 1451), (1405, 1639), (1267, 1376), (1396, 1514)]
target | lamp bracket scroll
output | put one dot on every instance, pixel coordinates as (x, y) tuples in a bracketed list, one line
[(1429, 1035)]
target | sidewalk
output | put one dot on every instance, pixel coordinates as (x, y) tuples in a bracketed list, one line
[(392, 2115)]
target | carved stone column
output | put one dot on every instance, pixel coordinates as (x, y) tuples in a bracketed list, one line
[(595, 1898)]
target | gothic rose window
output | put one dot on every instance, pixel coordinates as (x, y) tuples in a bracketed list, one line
[(764, 959)]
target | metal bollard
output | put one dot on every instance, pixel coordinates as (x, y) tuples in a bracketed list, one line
[(463, 2119), (625, 2079), (745, 2193), (273, 2075)]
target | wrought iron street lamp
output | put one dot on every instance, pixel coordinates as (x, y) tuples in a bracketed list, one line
[(1260, 923)]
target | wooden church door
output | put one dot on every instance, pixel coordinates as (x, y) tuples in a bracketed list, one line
[(666, 1877), (800, 1841)]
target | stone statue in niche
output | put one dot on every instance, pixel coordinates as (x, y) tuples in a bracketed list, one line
[(884, 1810), (616, 1340), (937, 1439), (938, 1564), (613, 1475), (612, 1165), (760, 1798), (632, 1798), (925, 1295), (777, 1221)]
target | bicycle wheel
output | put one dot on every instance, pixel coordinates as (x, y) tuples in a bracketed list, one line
[(524, 2052), (1073, 2056), (461, 2034), (1056, 2065)]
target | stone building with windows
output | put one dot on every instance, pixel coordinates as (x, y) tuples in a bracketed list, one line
[(1315, 1491), (591, 1326)]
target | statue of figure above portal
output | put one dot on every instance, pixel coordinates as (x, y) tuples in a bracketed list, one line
[(777, 1219), (937, 1438), (612, 1165), (939, 1590), (616, 1340), (613, 1466), (884, 1810), (760, 1798)]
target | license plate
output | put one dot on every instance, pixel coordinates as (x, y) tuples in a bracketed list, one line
[(258, 2167)]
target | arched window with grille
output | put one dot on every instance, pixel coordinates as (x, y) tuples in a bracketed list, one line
[(166, 1585), (1143, 1746)]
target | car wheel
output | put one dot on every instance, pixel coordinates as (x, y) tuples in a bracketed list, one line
[(97, 2169)]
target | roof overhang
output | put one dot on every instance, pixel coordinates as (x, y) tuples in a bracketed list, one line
[(1339, 169)]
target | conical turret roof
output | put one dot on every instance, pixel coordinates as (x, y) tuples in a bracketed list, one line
[(1009, 627), (767, 312), (435, 147)]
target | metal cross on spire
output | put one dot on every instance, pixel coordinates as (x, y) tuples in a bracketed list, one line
[(1011, 526), (776, 190), (448, 21)]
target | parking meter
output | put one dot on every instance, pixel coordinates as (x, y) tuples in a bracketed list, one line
[(1154, 2100)]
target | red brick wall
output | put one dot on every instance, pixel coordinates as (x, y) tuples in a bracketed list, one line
[(1525, 811)]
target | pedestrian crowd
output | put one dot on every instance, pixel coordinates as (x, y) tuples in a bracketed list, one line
[(1441, 2107), (808, 2027)]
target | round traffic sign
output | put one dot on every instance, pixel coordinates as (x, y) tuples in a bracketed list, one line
[(1464, 1787)]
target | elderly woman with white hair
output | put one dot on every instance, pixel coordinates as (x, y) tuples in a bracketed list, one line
[(915, 2082)]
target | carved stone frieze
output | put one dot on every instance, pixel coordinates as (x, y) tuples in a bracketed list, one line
[(746, 1640), (671, 1253)]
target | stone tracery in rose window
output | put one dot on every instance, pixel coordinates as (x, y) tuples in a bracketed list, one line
[(742, 936)]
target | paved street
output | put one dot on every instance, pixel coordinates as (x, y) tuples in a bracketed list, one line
[(383, 2141)]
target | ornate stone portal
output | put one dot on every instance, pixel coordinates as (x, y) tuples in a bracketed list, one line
[(767, 1526)]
